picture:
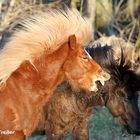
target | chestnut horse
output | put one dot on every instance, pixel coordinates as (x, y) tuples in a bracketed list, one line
[(70, 112), (43, 52)]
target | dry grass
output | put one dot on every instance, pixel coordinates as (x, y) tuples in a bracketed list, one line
[(14, 10), (123, 20)]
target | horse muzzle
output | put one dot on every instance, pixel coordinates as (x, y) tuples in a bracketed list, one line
[(102, 79)]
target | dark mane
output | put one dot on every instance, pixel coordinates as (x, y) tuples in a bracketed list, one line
[(124, 73), (103, 55), (118, 68)]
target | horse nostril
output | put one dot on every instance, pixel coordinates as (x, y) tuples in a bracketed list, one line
[(106, 76)]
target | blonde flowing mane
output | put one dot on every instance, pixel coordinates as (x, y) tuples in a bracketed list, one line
[(45, 31)]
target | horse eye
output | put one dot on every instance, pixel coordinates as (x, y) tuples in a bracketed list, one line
[(85, 58)]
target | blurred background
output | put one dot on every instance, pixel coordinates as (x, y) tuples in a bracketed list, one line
[(108, 17)]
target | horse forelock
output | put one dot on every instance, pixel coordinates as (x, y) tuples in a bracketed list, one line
[(121, 68), (42, 32), (124, 74), (103, 55)]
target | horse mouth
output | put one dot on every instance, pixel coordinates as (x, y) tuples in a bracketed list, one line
[(102, 83), (95, 87)]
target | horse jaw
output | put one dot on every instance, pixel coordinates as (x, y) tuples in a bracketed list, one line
[(94, 88)]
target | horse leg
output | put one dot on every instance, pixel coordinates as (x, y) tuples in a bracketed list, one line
[(54, 137), (81, 132), (51, 136), (17, 135), (81, 135)]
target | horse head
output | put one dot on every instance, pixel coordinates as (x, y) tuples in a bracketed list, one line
[(81, 70)]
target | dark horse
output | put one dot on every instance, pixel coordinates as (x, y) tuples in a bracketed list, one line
[(122, 97), (69, 112)]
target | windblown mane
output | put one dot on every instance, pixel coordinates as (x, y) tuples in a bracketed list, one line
[(42, 32)]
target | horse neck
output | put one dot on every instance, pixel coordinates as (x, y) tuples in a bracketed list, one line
[(44, 74), (50, 68), (40, 77), (33, 83)]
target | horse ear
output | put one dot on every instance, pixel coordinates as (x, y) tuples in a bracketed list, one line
[(72, 42)]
